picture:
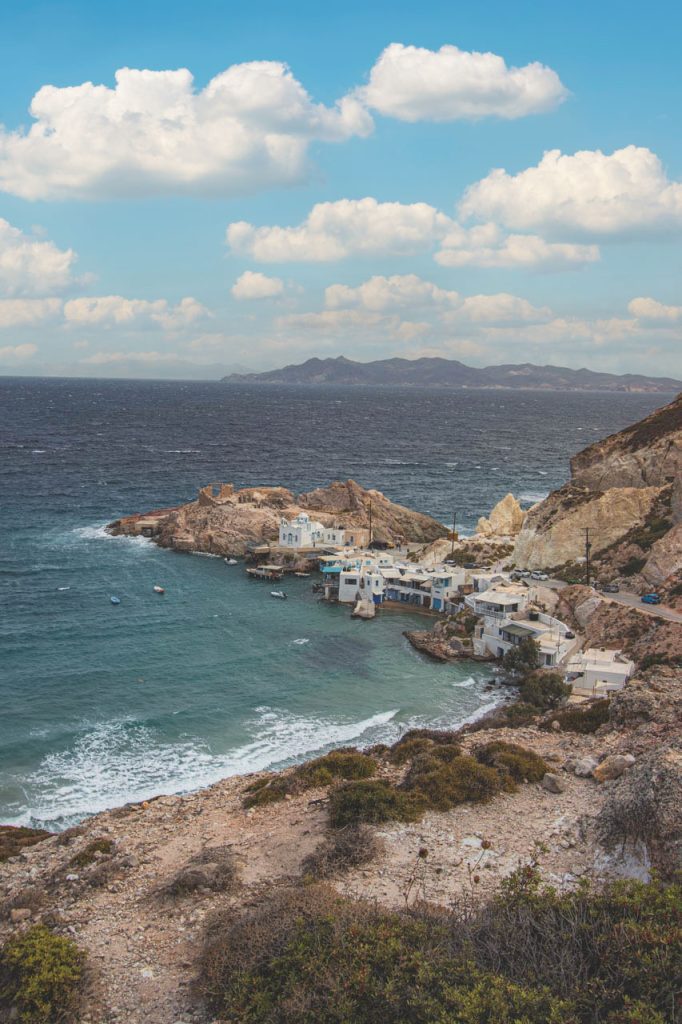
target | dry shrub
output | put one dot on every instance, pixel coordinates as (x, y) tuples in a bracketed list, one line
[(344, 849), (14, 839), (417, 741), (215, 868), (443, 778), (372, 801), (581, 718), (93, 851), (41, 975)]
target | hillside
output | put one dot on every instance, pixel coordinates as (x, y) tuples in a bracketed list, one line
[(436, 372), (627, 491)]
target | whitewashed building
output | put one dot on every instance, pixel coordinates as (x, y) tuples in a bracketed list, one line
[(300, 532), (596, 672)]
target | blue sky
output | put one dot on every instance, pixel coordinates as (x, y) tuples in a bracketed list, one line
[(355, 148)]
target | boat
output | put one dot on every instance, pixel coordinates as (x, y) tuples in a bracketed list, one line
[(230, 561), (278, 593), (63, 588), (158, 589), (115, 600), (302, 575)]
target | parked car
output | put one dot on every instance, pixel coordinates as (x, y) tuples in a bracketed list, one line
[(611, 588), (524, 573), (651, 599), (537, 575)]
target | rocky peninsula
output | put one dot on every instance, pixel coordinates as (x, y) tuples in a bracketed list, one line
[(228, 521)]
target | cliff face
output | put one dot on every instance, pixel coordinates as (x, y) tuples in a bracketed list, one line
[(627, 489), (225, 522)]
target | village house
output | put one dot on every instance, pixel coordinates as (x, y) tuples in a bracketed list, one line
[(596, 672), (300, 533)]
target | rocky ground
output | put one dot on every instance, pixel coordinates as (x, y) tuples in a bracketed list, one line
[(106, 883)]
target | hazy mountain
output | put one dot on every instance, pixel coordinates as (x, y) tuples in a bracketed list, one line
[(453, 374)]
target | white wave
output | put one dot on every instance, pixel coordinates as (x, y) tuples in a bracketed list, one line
[(301, 640), (101, 533), (533, 496), (37, 451), (122, 762), (205, 554)]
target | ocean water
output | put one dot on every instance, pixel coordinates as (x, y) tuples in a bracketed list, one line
[(101, 704)]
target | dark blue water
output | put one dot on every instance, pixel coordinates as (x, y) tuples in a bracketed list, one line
[(102, 704)]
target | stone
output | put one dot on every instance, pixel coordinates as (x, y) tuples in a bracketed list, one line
[(556, 726), (20, 914), (612, 767), (552, 783), (584, 767), (505, 520)]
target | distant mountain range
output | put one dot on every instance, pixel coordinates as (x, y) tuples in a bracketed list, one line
[(450, 373)]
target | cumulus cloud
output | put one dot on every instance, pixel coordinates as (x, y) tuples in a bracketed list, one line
[(415, 84), (333, 231), (29, 266), (116, 311), (27, 312), (382, 293), (486, 245), (651, 311), (591, 193), (408, 291), (19, 352), (253, 285), (248, 129)]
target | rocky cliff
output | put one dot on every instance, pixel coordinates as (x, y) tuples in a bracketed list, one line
[(627, 490), (226, 521)]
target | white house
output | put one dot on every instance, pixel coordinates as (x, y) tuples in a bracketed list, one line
[(300, 532), (596, 672)]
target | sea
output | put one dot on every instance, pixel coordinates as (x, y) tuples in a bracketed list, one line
[(104, 704)]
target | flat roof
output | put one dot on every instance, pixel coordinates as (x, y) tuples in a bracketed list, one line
[(516, 630)]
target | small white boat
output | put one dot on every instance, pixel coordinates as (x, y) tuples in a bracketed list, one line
[(278, 593), (302, 575), (115, 600), (63, 588), (158, 589), (230, 561)]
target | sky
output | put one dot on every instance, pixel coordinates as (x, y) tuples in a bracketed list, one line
[(188, 189)]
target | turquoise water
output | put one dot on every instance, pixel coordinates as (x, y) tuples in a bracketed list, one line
[(100, 704)]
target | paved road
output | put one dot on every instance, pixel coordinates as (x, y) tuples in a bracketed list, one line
[(626, 598)]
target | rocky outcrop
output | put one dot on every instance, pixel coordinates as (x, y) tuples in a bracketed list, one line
[(627, 490), (223, 521), (505, 520)]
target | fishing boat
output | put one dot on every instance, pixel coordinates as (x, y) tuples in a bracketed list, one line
[(278, 593), (302, 575), (158, 589), (115, 600), (230, 561)]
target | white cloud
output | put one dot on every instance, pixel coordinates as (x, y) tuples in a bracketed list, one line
[(590, 193), (651, 311), (116, 311), (26, 312), (333, 231), (248, 129), (18, 351), (382, 293), (408, 291), (502, 308), (415, 84), (253, 285), (29, 266), (486, 245), (112, 358)]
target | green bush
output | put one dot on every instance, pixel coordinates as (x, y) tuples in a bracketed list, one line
[(442, 782), (523, 658), (40, 977), (544, 690), (345, 763), (582, 718), (529, 956), (416, 741), (519, 764), (371, 801)]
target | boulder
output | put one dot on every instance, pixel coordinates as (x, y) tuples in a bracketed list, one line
[(505, 520), (584, 767), (19, 914), (612, 767), (552, 783)]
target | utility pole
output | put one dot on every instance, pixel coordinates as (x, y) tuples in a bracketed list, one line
[(452, 547), (588, 546), (370, 523)]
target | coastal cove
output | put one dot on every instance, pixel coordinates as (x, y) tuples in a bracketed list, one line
[(169, 693)]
